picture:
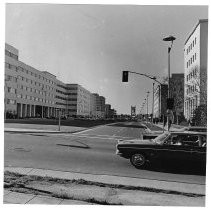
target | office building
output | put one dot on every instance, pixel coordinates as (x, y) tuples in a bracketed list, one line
[(33, 93), (195, 68)]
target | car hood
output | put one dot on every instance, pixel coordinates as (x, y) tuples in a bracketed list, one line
[(137, 141)]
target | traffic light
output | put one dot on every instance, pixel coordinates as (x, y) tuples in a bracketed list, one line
[(170, 103), (125, 76)]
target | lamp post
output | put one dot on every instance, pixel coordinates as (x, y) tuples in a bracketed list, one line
[(169, 39), (153, 84)]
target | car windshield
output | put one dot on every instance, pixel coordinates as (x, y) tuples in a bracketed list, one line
[(161, 138)]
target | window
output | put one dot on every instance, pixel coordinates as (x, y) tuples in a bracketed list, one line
[(11, 101), (11, 90), (195, 56)]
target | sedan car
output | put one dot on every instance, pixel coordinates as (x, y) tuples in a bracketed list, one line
[(171, 146)]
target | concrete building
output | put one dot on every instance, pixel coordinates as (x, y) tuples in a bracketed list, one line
[(28, 92), (97, 106), (195, 68), (160, 96), (177, 92), (79, 100), (109, 112), (33, 93)]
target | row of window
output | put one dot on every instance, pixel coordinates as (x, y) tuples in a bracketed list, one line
[(10, 78), (192, 74), (11, 90), (12, 55), (35, 83), (62, 98), (19, 68), (58, 103), (191, 89), (191, 60), (29, 89), (34, 98), (10, 66), (191, 46), (36, 75), (11, 101)]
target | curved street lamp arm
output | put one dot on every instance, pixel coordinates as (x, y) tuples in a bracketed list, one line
[(153, 78)]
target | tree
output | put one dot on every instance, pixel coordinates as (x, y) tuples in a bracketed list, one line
[(197, 86)]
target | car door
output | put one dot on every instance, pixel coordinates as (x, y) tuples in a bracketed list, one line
[(175, 149), (199, 150)]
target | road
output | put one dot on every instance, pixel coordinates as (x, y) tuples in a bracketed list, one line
[(91, 151)]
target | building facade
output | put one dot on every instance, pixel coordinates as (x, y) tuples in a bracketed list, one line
[(97, 106), (78, 100), (33, 93), (160, 96), (177, 92), (195, 68)]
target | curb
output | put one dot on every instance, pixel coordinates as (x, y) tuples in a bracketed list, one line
[(170, 187), (17, 130)]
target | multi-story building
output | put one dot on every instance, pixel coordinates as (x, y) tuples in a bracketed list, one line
[(28, 92), (97, 106), (177, 92), (160, 96), (109, 112), (195, 68), (33, 93), (78, 100)]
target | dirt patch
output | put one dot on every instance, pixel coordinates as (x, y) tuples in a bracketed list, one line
[(95, 192)]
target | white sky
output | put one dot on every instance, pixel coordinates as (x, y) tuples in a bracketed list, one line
[(92, 44)]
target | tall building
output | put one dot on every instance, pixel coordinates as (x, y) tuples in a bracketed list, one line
[(28, 92), (195, 68), (78, 100), (109, 112), (33, 93), (97, 106), (160, 96), (177, 92)]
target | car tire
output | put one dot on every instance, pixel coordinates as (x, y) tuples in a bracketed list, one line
[(138, 160)]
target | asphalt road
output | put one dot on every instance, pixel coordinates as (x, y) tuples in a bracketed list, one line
[(91, 151)]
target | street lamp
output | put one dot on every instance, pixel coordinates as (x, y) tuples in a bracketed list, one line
[(169, 39), (169, 112), (147, 104)]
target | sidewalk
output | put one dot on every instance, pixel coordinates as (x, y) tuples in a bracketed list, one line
[(174, 127), (132, 191), (36, 128), (22, 198)]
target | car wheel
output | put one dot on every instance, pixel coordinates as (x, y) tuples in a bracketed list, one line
[(138, 160)]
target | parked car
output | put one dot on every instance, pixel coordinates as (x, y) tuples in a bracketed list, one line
[(171, 146)]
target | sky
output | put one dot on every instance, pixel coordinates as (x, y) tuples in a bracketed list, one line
[(92, 44)]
